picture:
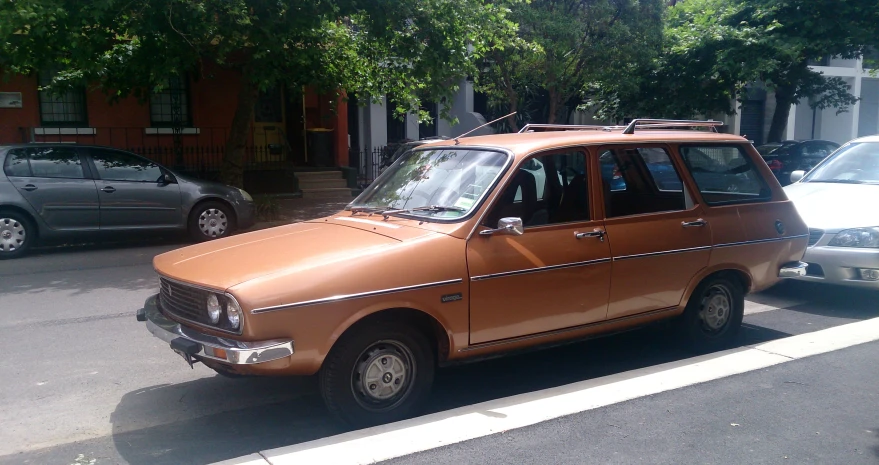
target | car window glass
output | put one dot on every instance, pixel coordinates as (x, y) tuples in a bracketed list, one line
[(120, 166), (547, 189), (725, 174), (16, 163), (610, 171), (55, 162), (652, 183)]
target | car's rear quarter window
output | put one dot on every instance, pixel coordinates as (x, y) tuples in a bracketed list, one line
[(725, 174)]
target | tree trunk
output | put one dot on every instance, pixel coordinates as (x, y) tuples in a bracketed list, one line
[(511, 120), (232, 171), (784, 98)]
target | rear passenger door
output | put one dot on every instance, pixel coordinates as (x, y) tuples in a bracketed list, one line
[(57, 185), (659, 236), (133, 192)]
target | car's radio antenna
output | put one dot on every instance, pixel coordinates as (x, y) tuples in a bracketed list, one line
[(482, 126)]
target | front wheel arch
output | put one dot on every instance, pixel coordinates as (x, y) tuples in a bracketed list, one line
[(201, 203)]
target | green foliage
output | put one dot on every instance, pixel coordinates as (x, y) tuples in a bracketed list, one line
[(712, 49), (565, 48), (410, 48), (268, 208)]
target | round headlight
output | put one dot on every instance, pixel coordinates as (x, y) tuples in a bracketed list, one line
[(233, 314), (214, 309)]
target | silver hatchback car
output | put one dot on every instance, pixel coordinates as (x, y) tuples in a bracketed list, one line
[(53, 191)]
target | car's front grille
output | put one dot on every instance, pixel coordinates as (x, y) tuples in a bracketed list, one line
[(815, 235), (184, 301)]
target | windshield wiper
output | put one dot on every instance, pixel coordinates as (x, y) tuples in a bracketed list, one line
[(426, 208), (370, 210), (839, 181)]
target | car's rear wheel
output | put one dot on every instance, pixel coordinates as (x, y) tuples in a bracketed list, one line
[(713, 315), (16, 234), (377, 373), (211, 220)]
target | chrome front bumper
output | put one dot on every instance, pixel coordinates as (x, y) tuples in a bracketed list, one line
[(188, 342), (792, 270)]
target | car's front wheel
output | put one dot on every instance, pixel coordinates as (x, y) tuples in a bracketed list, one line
[(211, 220), (714, 314), (377, 373), (16, 234)]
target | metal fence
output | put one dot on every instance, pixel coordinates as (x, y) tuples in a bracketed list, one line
[(369, 163), (199, 151)]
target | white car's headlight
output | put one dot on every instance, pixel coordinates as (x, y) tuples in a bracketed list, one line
[(245, 195), (857, 237)]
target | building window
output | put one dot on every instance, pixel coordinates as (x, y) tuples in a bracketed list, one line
[(170, 104), (61, 108), (429, 128), (396, 124)]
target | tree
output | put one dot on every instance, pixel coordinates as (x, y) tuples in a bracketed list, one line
[(563, 48), (713, 49), (411, 48)]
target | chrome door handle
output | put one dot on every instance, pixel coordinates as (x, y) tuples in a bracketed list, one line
[(29, 187), (109, 189), (597, 233), (694, 224)]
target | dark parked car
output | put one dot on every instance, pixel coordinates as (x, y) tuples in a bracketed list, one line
[(800, 155), (57, 190)]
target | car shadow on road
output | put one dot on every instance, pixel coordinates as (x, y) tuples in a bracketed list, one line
[(301, 415)]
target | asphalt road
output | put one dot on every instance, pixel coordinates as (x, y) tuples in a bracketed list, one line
[(81, 376)]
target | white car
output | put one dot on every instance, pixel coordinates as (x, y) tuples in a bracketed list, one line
[(837, 200)]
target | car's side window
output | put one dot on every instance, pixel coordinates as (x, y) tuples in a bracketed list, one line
[(651, 182), (55, 162), (548, 189), (119, 166), (725, 174), (16, 163)]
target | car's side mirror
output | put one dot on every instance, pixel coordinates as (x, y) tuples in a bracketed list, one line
[(797, 175), (509, 226)]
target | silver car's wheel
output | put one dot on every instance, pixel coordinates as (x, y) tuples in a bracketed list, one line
[(211, 220), (14, 236), (213, 223)]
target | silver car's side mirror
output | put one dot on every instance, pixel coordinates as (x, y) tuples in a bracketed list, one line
[(797, 175), (509, 226)]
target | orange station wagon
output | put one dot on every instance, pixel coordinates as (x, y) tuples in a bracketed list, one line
[(474, 247)]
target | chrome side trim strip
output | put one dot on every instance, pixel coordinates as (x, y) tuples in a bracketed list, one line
[(759, 241), (539, 269), (566, 330), (663, 252), (339, 298)]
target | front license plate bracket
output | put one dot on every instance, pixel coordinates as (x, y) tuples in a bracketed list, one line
[(186, 349)]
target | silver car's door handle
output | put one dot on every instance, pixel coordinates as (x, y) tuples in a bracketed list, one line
[(29, 187), (694, 224), (109, 189), (597, 233)]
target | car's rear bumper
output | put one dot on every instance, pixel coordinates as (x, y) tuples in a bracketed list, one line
[(840, 265), (197, 345), (792, 270)]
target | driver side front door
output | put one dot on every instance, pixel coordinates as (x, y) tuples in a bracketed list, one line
[(554, 276)]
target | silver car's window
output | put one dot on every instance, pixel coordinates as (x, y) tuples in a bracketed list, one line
[(857, 163), (443, 177), (120, 166), (55, 162), (16, 163)]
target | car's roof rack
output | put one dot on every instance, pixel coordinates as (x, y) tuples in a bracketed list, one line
[(640, 123)]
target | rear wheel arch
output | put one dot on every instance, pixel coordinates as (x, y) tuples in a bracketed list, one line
[(21, 211), (733, 272)]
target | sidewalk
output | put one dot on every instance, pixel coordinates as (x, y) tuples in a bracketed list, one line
[(295, 210)]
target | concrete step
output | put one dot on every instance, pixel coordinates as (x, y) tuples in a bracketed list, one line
[(321, 183), (318, 175)]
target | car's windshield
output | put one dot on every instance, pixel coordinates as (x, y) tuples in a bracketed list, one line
[(443, 177), (857, 163)]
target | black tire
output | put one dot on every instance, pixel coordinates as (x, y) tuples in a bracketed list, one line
[(17, 234), (343, 385), (713, 315), (203, 214)]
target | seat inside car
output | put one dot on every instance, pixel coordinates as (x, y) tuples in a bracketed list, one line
[(508, 206)]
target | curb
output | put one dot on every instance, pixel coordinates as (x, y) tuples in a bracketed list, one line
[(385, 442)]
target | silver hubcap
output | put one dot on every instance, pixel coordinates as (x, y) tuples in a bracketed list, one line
[(383, 374), (12, 235), (716, 308), (213, 222)]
